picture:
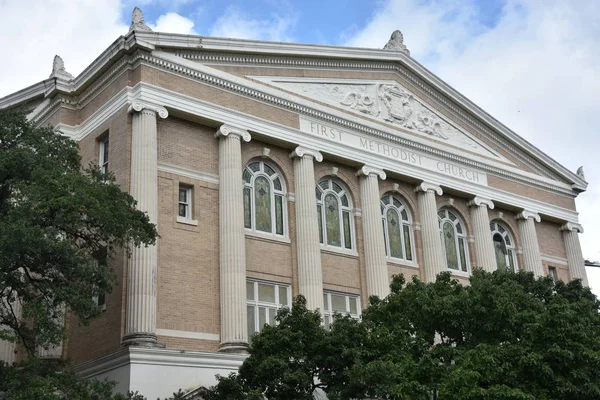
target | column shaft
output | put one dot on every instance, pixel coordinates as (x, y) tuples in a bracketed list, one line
[(574, 255), (140, 324), (433, 254), (378, 283), (310, 274), (532, 259), (484, 247), (232, 241)]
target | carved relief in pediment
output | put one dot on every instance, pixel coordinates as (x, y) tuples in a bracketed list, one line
[(390, 103)]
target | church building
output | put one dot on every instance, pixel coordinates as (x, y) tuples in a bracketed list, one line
[(279, 169)]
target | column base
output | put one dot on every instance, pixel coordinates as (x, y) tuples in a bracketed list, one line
[(233, 347), (141, 340)]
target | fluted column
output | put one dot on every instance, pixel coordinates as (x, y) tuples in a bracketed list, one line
[(575, 260), (8, 349), (433, 254), (378, 283), (532, 259), (140, 322), (484, 246), (310, 274), (234, 318)]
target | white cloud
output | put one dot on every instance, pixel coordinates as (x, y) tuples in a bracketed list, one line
[(537, 70), (234, 23), (174, 23)]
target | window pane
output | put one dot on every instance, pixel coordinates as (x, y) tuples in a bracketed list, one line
[(347, 234), (451, 216), (327, 322), (101, 299), (182, 210), (272, 314), (262, 317), (266, 293), (344, 200), (270, 171), (325, 304), (254, 167), (318, 193), (183, 195), (251, 320), (511, 261), (394, 233), (385, 200), (247, 208), (324, 184), (332, 220), (336, 188), (397, 203), (459, 228), (338, 303), (246, 176), (353, 306), (507, 240), (320, 217), (283, 298), (250, 290), (262, 207), (407, 243), (450, 245), (277, 184), (105, 151), (501, 229), (500, 249), (279, 215), (463, 254), (385, 239)]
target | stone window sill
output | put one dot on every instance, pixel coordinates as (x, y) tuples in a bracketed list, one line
[(339, 252), (267, 237), (402, 263), (186, 221)]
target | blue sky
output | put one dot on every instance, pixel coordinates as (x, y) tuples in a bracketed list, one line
[(534, 65)]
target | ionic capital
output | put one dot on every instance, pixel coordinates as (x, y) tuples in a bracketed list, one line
[(226, 130), (302, 151), (367, 170), (572, 226), (525, 214), (426, 186), (481, 201), (138, 107)]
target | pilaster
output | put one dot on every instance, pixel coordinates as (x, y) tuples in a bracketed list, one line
[(532, 259), (140, 323), (310, 274), (232, 242), (570, 232), (433, 254), (484, 246), (374, 247)]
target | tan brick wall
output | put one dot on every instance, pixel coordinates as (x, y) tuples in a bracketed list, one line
[(531, 192), (550, 239)]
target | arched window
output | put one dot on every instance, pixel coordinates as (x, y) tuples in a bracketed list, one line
[(504, 245), (454, 240), (334, 209), (397, 229), (264, 205)]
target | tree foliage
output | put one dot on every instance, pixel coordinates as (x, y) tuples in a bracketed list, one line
[(56, 218), (504, 336)]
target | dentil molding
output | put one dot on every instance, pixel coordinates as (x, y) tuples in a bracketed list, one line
[(367, 170), (302, 151)]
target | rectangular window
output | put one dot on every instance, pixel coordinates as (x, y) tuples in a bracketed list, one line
[(263, 300), (185, 202), (102, 261), (103, 159), (341, 303), (553, 273)]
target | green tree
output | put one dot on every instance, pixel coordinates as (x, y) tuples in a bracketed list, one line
[(56, 218), (503, 336)]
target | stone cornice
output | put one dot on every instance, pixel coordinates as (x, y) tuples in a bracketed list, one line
[(226, 130), (570, 226), (302, 151), (426, 186), (525, 214), (478, 201), (367, 170)]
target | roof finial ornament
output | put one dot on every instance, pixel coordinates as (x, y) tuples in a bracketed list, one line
[(396, 43), (580, 173), (137, 21), (58, 69)]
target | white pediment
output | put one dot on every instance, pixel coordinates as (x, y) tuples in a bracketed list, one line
[(387, 102)]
